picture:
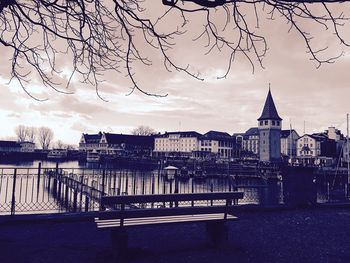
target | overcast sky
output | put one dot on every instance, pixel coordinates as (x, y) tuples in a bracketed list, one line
[(320, 97)]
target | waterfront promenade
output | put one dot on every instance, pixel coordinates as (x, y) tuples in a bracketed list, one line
[(301, 235)]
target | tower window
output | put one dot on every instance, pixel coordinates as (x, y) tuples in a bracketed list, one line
[(273, 122), (261, 123), (266, 122), (278, 123)]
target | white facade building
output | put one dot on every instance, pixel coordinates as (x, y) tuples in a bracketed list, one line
[(177, 142)]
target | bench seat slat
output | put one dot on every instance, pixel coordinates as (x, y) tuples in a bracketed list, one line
[(173, 211), (106, 224)]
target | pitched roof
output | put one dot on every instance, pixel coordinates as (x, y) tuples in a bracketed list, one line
[(92, 138), (286, 133), (9, 144), (217, 135), (252, 131), (141, 140), (269, 112), (182, 134)]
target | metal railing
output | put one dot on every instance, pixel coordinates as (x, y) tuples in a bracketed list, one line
[(55, 190)]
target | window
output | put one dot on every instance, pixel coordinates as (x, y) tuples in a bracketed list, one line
[(261, 123), (278, 123), (266, 122), (273, 122)]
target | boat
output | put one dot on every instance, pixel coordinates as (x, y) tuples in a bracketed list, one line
[(93, 157), (57, 154)]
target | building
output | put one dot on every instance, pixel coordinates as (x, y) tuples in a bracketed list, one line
[(10, 146), (177, 143), (211, 145), (250, 143), (90, 142), (316, 149), (127, 145), (269, 124), (217, 144), (27, 146), (13, 146), (289, 140), (117, 144)]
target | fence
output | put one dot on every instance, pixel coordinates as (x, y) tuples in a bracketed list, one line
[(44, 190)]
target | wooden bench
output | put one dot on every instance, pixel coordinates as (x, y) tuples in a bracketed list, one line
[(125, 211)]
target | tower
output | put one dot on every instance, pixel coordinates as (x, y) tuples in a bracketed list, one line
[(269, 124)]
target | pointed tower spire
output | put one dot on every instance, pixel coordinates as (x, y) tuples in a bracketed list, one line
[(269, 112)]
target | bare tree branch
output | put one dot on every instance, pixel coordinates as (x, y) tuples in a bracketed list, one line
[(113, 35)]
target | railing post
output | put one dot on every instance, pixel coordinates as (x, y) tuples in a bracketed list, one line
[(87, 203), (212, 190), (13, 201), (192, 202), (38, 182), (75, 199), (102, 208)]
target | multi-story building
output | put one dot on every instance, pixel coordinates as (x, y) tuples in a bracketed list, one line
[(13, 146), (270, 124), (250, 144), (289, 142), (10, 146), (177, 143), (127, 145), (316, 149), (27, 146), (213, 144), (91, 142), (218, 144), (117, 144)]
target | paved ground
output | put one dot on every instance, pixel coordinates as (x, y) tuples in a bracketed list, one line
[(306, 235)]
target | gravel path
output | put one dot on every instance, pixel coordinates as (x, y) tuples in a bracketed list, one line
[(304, 235)]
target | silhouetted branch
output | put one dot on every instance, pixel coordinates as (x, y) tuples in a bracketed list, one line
[(113, 35)]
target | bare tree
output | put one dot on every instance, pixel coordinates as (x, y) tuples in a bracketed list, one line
[(45, 135), (31, 134), (112, 35), (60, 145), (143, 130), (21, 133)]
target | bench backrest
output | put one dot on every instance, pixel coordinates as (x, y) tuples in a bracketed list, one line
[(129, 199)]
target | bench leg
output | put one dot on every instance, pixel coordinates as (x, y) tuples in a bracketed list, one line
[(217, 233), (119, 242)]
